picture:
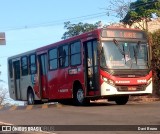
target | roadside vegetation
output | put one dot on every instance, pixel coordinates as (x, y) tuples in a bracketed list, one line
[(155, 42), (2, 96)]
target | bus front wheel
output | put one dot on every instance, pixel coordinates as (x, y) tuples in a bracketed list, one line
[(121, 100), (79, 97), (30, 97)]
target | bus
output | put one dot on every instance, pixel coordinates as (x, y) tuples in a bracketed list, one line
[(108, 63)]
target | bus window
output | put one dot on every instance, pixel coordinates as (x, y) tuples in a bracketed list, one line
[(32, 64), (24, 65), (63, 56), (75, 53), (10, 69), (53, 59)]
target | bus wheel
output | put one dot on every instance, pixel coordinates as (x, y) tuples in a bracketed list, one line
[(121, 100), (79, 98), (30, 97)]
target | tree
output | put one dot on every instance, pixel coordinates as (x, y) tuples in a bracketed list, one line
[(118, 8), (77, 29), (3, 92), (141, 12), (155, 41), (2, 95), (0, 78)]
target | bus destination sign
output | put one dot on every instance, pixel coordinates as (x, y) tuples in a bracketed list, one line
[(122, 34)]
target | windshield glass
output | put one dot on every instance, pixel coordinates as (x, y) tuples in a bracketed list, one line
[(124, 55)]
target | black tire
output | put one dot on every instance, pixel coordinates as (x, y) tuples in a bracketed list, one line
[(66, 101), (38, 102), (30, 98), (121, 100), (79, 97)]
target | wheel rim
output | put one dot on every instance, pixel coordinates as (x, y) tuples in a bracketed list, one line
[(80, 95), (30, 98)]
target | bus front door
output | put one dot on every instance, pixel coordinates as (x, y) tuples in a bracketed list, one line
[(16, 74), (91, 67), (43, 82)]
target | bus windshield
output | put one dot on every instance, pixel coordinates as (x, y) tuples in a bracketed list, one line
[(124, 55)]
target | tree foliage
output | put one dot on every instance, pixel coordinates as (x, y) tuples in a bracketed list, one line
[(2, 92), (77, 29), (2, 95), (156, 49), (155, 42), (142, 11)]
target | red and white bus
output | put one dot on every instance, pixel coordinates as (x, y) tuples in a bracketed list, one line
[(110, 63)]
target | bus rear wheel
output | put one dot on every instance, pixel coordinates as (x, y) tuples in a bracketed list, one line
[(30, 97), (121, 100)]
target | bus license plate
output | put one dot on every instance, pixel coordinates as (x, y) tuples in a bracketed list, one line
[(132, 88)]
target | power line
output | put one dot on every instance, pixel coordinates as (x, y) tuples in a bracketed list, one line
[(58, 22)]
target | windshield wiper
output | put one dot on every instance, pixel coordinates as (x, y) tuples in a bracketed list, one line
[(118, 46), (120, 50), (135, 54), (138, 47)]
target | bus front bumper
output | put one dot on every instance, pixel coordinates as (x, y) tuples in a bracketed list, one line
[(107, 89)]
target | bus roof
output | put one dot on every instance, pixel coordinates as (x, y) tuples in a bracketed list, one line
[(22, 54), (95, 33)]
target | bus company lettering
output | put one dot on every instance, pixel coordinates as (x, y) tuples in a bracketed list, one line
[(122, 82), (142, 81), (63, 90)]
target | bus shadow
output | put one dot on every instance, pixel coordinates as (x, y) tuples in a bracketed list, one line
[(92, 104)]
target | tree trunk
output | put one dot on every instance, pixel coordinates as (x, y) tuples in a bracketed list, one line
[(146, 23)]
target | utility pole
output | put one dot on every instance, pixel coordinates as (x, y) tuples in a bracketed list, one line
[(2, 38)]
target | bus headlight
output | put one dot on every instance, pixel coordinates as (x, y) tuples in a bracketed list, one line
[(105, 79), (109, 81)]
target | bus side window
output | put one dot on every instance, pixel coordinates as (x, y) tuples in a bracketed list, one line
[(32, 64), (10, 68), (63, 56), (24, 65), (53, 59), (75, 53)]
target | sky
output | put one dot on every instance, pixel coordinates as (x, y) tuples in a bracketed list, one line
[(30, 24)]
